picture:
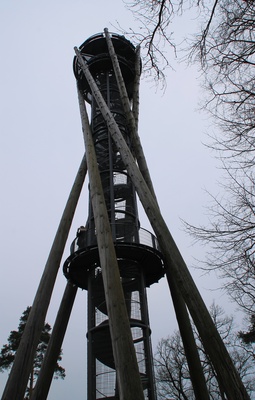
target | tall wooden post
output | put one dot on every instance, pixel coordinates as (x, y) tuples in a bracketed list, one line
[(195, 368), (214, 346), (17, 381), (138, 150), (196, 372), (130, 386), (47, 370), (125, 257)]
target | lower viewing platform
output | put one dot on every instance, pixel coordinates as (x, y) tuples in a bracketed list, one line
[(137, 251)]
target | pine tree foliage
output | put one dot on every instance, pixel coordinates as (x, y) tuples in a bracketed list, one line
[(249, 336), (8, 351)]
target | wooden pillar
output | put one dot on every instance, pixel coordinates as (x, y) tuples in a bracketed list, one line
[(17, 381), (128, 376), (196, 371), (195, 368), (46, 374), (132, 123), (135, 105), (213, 344)]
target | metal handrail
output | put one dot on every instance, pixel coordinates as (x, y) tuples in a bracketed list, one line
[(125, 233)]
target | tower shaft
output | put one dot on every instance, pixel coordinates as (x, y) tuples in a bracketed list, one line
[(139, 260)]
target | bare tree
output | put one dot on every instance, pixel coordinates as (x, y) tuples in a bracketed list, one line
[(224, 46), (226, 51), (154, 35), (231, 237), (228, 60), (172, 373), (155, 32)]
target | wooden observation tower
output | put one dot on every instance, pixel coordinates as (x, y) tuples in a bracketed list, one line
[(113, 257)]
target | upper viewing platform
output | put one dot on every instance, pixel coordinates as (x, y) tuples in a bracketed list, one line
[(95, 52)]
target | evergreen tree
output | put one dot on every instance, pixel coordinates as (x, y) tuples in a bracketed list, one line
[(249, 336), (8, 352)]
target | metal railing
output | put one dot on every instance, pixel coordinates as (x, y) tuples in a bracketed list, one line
[(122, 233)]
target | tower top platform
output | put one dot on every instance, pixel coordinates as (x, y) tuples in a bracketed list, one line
[(95, 52), (96, 45)]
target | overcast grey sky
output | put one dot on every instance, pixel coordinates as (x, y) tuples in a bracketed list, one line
[(41, 148)]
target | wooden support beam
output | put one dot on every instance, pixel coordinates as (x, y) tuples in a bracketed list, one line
[(46, 374), (132, 123), (18, 377), (135, 102), (176, 267), (127, 371), (196, 372), (195, 368)]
